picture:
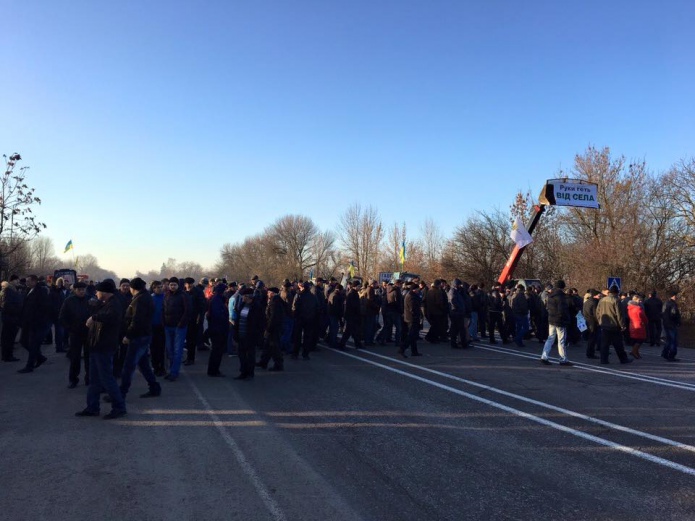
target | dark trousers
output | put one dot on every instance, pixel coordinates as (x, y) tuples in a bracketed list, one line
[(495, 321), (138, 355), (191, 339), (247, 357), (32, 339), (101, 378), (458, 329), (219, 345), (615, 339), (482, 324), (271, 349), (413, 335), (157, 349), (654, 329), (670, 349), (7, 338), (592, 340), (391, 319), (303, 336), (352, 329), (119, 359), (77, 352)]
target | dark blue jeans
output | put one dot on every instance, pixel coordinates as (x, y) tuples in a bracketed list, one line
[(521, 329), (286, 337), (138, 355), (101, 377), (175, 337), (671, 347)]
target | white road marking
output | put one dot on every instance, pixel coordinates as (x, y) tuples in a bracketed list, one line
[(606, 443), (684, 386), (270, 503)]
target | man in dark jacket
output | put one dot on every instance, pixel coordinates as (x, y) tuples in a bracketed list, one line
[(437, 309), (11, 307), (248, 331), (104, 327), (652, 308), (138, 335), (194, 331), (558, 320), (589, 313), (177, 313), (519, 305), (392, 311), (305, 310), (274, 319), (124, 296), (411, 317), (218, 328), (73, 317), (352, 316), (611, 320), (671, 317), (495, 319), (457, 314), (336, 312), (35, 322)]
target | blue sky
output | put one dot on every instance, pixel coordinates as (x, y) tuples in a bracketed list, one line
[(166, 129)]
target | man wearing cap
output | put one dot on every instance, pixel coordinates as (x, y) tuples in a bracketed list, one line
[(411, 316), (35, 322), (589, 313), (73, 316), (612, 323), (248, 333), (104, 327), (671, 317), (319, 292), (138, 335)]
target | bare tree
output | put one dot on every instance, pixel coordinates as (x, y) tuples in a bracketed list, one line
[(17, 222), (432, 246), (43, 258), (89, 265), (292, 239), (361, 234)]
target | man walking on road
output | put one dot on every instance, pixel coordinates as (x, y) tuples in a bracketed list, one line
[(104, 340), (672, 320), (612, 323), (73, 317), (558, 320), (35, 322)]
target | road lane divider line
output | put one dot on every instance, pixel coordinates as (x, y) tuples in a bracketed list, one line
[(262, 490), (555, 408), (684, 386), (537, 419)]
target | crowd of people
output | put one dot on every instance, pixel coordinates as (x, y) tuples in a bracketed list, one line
[(108, 332)]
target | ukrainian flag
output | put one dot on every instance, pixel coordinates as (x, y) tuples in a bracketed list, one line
[(402, 252), (68, 246), (351, 269)]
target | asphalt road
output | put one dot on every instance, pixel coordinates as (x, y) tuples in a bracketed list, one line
[(481, 433)]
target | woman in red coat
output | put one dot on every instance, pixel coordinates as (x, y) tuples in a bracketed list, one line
[(638, 324)]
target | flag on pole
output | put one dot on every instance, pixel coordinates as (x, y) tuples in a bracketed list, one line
[(351, 269), (520, 235), (311, 274), (68, 246), (402, 253)]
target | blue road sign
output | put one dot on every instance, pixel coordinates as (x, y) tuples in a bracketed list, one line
[(614, 281)]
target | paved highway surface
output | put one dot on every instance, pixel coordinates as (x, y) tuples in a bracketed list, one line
[(482, 433)]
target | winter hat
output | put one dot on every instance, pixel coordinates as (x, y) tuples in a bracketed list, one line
[(106, 286), (138, 284)]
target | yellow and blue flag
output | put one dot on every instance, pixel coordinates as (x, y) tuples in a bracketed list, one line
[(68, 246), (351, 269), (402, 252)]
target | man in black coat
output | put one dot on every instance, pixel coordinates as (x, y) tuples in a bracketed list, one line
[(589, 312), (652, 308), (73, 317), (137, 337), (199, 305), (274, 319), (305, 310), (352, 317), (104, 327), (411, 317), (248, 332), (558, 320), (35, 322), (11, 307)]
